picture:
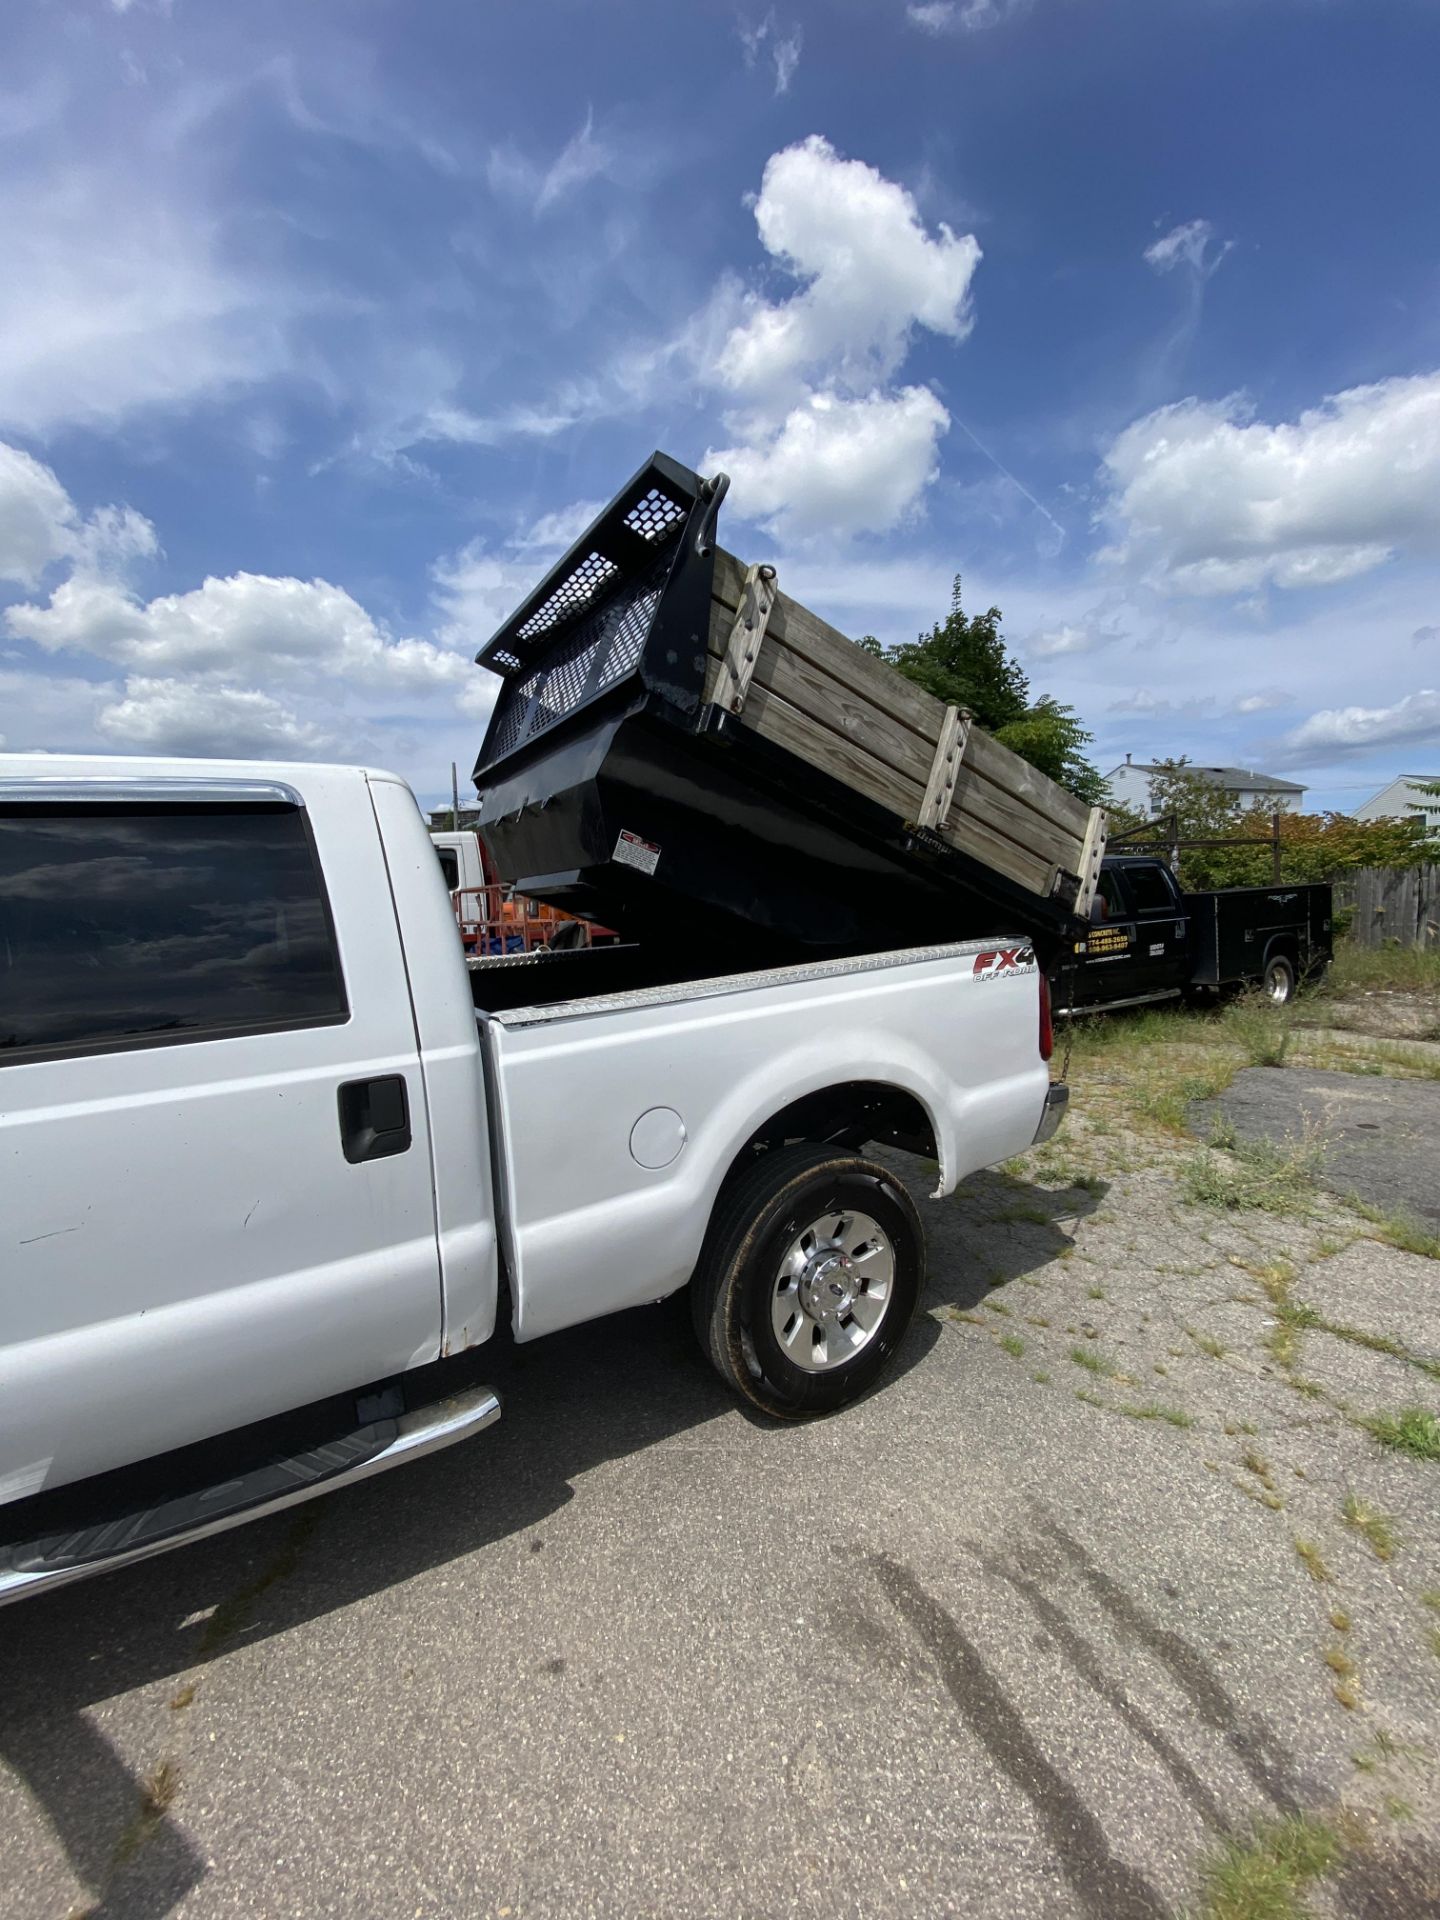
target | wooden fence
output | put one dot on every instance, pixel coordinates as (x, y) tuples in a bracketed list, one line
[(1393, 904)]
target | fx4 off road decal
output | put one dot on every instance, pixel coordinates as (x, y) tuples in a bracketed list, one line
[(989, 966)]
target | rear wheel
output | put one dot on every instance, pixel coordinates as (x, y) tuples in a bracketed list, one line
[(809, 1278), (1278, 982)]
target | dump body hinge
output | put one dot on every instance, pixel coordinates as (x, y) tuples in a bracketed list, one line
[(1091, 855), (944, 769), (742, 649)]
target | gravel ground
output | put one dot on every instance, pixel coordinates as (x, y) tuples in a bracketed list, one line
[(1016, 1636)]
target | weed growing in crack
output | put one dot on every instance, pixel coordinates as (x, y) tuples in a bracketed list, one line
[(1373, 1525), (1414, 1430)]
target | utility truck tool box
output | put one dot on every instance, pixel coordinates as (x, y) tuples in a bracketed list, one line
[(680, 750)]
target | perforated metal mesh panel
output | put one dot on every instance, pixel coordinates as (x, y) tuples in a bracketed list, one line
[(575, 592), (654, 516), (600, 652)]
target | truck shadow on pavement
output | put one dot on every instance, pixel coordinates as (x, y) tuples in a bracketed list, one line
[(571, 1402)]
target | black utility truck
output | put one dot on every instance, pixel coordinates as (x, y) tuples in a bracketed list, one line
[(1149, 939)]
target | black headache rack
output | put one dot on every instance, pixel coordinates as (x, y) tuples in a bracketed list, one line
[(610, 787)]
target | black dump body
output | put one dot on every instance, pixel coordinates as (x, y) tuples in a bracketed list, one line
[(1233, 933), (609, 787)]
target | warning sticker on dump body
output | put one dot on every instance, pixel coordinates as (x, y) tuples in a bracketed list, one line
[(632, 851)]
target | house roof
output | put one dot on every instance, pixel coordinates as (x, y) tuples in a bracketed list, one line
[(1229, 779)]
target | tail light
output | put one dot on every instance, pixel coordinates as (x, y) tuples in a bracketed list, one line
[(1047, 1024)]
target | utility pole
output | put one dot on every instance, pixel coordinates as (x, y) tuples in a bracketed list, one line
[(454, 799)]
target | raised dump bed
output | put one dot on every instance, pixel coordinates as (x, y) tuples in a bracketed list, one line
[(682, 751)]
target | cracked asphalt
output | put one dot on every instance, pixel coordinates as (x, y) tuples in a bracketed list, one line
[(978, 1646)]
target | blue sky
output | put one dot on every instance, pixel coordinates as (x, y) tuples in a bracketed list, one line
[(323, 328)]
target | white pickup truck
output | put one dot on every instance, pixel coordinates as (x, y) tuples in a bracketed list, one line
[(272, 1156)]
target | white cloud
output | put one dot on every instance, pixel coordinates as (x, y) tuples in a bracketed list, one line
[(1066, 639), (962, 16), (583, 158), (249, 626), (40, 524), (871, 271), (178, 717), (115, 297), (821, 443), (1413, 720), (785, 44), (1264, 702), (1203, 499), (1143, 701), (787, 59), (838, 466), (1189, 245), (553, 532)]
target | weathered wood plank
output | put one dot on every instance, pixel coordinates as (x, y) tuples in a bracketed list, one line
[(774, 718), (895, 752), (831, 653), (797, 680), (815, 693), (795, 626), (1027, 783), (978, 799), (977, 838)]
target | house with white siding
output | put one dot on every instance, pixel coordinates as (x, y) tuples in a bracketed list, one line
[(1132, 787), (1403, 800)]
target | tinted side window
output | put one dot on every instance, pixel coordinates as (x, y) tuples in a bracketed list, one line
[(1150, 889), (126, 924), (1108, 889), (449, 866)]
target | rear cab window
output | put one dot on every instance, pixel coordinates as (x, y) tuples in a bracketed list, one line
[(126, 924), (1151, 889)]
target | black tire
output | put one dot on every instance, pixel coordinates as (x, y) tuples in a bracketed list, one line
[(757, 1218), (1278, 981)]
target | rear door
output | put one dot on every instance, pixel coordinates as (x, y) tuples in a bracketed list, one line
[(1162, 933), (215, 1187)]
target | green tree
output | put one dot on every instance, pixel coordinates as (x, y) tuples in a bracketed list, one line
[(1049, 735), (963, 660)]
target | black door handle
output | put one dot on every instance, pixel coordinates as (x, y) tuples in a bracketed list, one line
[(374, 1117)]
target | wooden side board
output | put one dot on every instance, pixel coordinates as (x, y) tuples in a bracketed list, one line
[(819, 695)]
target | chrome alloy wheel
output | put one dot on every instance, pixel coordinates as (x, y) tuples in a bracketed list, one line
[(1279, 981), (832, 1290)]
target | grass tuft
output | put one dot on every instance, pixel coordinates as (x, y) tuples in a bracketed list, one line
[(1252, 1174), (1262, 1876), (1373, 1525), (1311, 1560), (1012, 1344), (1414, 1430), (1094, 1362), (1398, 1229), (1152, 1410), (1259, 1028)]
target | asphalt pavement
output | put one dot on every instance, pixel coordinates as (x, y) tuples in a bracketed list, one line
[(974, 1647)]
